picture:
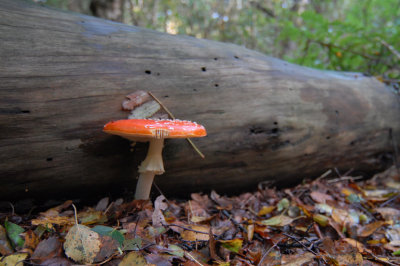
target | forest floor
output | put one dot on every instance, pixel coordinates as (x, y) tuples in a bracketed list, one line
[(328, 221)]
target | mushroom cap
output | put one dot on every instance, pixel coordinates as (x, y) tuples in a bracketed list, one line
[(145, 129)]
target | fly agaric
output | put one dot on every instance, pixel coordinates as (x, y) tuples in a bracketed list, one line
[(154, 131)]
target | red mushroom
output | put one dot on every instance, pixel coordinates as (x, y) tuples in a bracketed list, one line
[(154, 131)]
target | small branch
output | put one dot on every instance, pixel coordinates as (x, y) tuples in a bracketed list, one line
[(304, 246), (267, 252), (173, 117), (330, 45), (390, 48)]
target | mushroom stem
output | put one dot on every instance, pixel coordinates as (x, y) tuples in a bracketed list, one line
[(143, 186), (152, 165)]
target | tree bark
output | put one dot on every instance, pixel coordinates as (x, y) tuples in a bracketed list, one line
[(64, 75)]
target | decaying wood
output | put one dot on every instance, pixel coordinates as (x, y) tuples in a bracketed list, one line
[(63, 76)]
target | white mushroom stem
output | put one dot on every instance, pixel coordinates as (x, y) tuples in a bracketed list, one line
[(151, 166)]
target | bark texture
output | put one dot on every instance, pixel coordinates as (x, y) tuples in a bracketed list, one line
[(64, 75)]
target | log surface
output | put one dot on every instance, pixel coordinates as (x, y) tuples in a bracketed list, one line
[(64, 75)]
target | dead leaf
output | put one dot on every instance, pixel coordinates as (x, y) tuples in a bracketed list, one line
[(133, 258), (298, 259), (5, 246), (322, 220), (158, 216), (47, 249), (48, 221), (279, 220), (343, 217), (92, 217), (234, 245), (55, 211), (349, 259), (102, 204), (82, 244), (389, 214), (14, 259), (194, 236), (265, 210), (320, 197), (356, 244), (31, 240), (369, 229)]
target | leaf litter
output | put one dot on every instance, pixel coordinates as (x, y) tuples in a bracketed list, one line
[(337, 221)]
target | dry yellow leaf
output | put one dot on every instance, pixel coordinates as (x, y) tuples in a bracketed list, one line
[(194, 236), (265, 210), (132, 259), (49, 221), (13, 260)]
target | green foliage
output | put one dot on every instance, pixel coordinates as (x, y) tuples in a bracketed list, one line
[(362, 36)]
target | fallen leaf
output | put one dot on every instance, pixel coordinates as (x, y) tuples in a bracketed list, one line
[(55, 211), (13, 232), (5, 246), (49, 221), (356, 244), (92, 217), (158, 218), (389, 214), (324, 208), (279, 220), (265, 210), (369, 229), (320, 197), (109, 231), (343, 217), (31, 240), (322, 220), (13, 260), (59, 261), (194, 236), (47, 249), (82, 244), (102, 204), (132, 244), (157, 259), (297, 259), (133, 258), (233, 245), (349, 259), (175, 250), (283, 204)]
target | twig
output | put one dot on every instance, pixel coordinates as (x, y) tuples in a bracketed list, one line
[(192, 258), (389, 200), (267, 252), (344, 178), (324, 174), (390, 48), (304, 246), (75, 214), (173, 117)]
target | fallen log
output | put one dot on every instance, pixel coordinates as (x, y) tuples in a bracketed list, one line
[(64, 75)]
